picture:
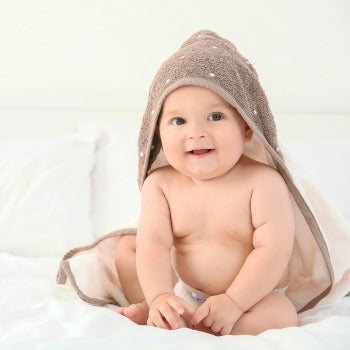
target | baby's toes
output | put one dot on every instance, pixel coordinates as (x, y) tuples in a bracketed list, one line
[(137, 313), (120, 310), (130, 311)]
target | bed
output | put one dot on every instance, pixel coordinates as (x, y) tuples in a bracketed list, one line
[(61, 186)]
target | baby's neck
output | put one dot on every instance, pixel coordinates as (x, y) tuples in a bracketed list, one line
[(218, 179)]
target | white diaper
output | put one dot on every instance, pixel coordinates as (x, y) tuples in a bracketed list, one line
[(195, 297), (191, 295)]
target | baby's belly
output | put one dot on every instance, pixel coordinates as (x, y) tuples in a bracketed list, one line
[(208, 265)]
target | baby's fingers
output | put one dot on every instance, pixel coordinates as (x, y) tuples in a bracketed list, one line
[(200, 314), (216, 327), (170, 316), (226, 330), (181, 306), (155, 319)]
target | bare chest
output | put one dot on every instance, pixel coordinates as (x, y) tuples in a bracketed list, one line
[(211, 213)]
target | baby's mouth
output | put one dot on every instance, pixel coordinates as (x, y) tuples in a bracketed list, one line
[(200, 151)]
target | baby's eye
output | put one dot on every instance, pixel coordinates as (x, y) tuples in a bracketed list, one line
[(177, 121), (215, 116)]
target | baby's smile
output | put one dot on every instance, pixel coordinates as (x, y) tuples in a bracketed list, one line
[(200, 153)]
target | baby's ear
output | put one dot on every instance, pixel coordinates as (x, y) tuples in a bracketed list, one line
[(248, 132)]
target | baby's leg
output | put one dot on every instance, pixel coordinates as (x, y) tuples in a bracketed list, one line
[(273, 311), (126, 267)]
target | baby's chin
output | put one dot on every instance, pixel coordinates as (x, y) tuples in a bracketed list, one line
[(203, 170), (204, 174)]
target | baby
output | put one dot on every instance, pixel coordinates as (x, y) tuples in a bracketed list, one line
[(216, 229), (221, 219)]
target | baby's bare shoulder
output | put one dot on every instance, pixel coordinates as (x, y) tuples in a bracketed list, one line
[(270, 200), (163, 172), (261, 174), (265, 172), (160, 177)]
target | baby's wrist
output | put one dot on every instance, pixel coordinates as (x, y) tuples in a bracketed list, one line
[(239, 307)]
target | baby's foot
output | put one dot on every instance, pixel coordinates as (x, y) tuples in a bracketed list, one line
[(137, 313)]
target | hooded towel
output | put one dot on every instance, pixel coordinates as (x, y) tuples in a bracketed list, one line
[(210, 61)]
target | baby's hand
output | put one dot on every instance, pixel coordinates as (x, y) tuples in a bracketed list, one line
[(165, 311), (219, 313)]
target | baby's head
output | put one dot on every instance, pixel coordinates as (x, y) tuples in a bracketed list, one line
[(202, 136), (207, 72)]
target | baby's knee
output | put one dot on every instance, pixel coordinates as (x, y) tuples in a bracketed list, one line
[(127, 243), (126, 248), (275, 311), (283, 313)]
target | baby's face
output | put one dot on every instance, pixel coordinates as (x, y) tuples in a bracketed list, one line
[(202, 135)]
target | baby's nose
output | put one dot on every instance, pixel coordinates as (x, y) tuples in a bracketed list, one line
[(197, 132)]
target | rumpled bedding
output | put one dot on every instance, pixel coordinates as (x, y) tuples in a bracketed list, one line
[(36, 313)]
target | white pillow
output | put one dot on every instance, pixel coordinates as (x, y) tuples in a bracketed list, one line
[(115, 198), (45, 191)]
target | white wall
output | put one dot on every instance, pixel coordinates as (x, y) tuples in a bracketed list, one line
[(100, 54)]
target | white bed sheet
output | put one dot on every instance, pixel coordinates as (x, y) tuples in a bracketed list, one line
[(35, 313)]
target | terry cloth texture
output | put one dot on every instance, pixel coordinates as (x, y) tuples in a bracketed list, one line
[(210, 61)]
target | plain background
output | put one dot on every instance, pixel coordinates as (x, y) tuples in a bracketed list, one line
[(103, 54)]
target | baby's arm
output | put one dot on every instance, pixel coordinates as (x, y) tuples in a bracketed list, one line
[(154, 240), (273, 238)]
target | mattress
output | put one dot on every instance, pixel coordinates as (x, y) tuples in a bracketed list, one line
[(38, 314)]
